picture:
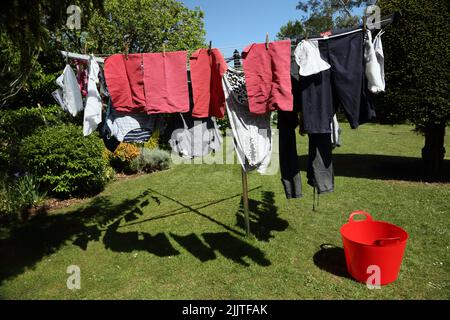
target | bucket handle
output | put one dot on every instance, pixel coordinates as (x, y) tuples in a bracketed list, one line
[(353, 214), (386, 241)]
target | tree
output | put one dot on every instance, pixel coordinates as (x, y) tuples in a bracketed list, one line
[(291, 30), (26, 31), (417, 68), (321, 15), (144, 25), (32, 32)]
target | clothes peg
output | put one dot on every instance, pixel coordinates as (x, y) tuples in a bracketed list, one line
[(210, 47), (164, 49), (267, 41)]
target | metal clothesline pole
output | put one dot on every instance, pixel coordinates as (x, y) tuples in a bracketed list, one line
[(237, 65), (80, 56), (245, 201)]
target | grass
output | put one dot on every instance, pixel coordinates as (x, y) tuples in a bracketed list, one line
[(179, 234)]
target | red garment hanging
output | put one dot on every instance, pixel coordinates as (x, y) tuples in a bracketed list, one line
[(207, 70), (267, 74), (125, 80), (166, 82)]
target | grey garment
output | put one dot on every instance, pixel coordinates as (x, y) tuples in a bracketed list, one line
[(252, 132), (196, 137), (122, 123), (320, 166)]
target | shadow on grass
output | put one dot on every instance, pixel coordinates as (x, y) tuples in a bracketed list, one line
[(26, 244), (226, 244), (159, 245), (263, 217), (371, 166), (194, 245), (332, 259)]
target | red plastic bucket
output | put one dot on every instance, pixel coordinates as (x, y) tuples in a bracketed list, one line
[(369, 243)]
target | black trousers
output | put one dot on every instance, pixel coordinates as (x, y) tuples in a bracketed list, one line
[(344, 84), (289, 162)]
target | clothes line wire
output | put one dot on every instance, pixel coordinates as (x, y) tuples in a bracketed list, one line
[(79, 56), (384, 21)]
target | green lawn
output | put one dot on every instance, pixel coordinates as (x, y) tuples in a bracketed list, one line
[(179, 234)]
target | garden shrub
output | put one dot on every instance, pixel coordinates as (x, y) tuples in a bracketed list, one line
[(136, 165), (15, 125), (65, 162), (151, 160), (20, 123), (122, 157)]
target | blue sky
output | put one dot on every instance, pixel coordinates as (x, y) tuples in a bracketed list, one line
[(234, 24)]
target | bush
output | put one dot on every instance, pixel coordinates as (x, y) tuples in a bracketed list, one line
[(15, 125), (65, 162), (20, 123), (151, 161), (121, 159)]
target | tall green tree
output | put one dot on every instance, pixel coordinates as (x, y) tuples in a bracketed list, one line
[(417, 64), (321, 15), (144, 26)]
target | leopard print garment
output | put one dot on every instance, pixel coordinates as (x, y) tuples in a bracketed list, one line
[(238, 88)]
